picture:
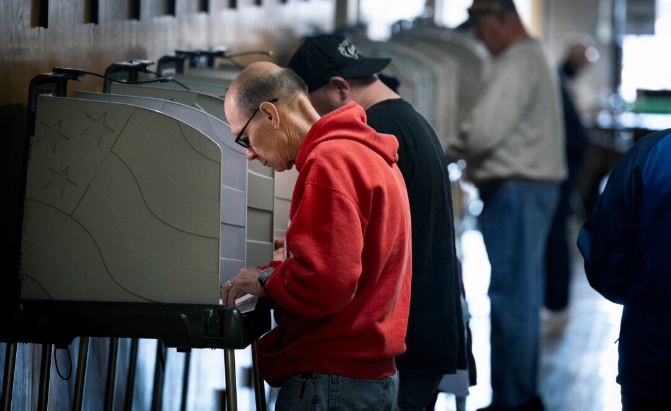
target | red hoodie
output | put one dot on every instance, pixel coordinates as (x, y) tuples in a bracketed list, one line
[(343, 293)]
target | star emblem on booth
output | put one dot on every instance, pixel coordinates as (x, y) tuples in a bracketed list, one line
[(97, 128), (61, 181), (52, 134)]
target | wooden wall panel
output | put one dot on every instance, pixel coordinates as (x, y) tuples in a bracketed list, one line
[(71, 41), (157, 8)]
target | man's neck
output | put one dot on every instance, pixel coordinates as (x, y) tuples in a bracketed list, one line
[(371, 94), (303, 116)]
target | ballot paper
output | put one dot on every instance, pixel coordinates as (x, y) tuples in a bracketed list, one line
[(246, 303)]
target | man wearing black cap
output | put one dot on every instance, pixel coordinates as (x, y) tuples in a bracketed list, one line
[(514, 150), (336, 74)]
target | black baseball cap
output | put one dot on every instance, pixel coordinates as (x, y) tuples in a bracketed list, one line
[(321, 57), (481, 8)]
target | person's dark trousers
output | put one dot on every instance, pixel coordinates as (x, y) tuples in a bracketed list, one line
[(634, 402), (416, 389), (515, 222), (557, 255)]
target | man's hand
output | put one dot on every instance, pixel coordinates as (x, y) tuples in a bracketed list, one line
[(246, 282), (278, 254)]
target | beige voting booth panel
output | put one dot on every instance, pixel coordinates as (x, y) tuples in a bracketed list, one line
[(210, 86), (126, 204), (213, 128), (215, 73), (260, 179), (205, 102), (284, 188)]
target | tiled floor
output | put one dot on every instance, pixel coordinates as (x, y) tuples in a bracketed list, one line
[(578, 367)]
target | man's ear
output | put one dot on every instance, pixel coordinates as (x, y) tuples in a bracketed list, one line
[(341, 86), (271, 113)]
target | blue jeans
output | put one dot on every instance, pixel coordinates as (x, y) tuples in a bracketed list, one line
[(324, 392), (515, 222)]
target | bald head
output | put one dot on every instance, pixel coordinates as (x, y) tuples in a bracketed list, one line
[(262, 81), (269, 113)]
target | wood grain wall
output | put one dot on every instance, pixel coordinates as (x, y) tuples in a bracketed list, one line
[(72, 40)]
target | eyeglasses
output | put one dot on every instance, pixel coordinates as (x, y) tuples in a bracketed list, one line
[(244, 141)]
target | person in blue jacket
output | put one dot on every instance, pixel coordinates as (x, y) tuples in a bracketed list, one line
[(626, 244)]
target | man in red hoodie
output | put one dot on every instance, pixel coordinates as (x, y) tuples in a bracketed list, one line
[(342, 294)]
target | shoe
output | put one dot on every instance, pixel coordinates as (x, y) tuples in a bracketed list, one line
[(534, 404)]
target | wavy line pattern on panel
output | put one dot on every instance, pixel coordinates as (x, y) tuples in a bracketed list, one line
[(132, 245), (151, 211), (26, 276), (164, 170), (62, 260), (188, 143), (100, 253)]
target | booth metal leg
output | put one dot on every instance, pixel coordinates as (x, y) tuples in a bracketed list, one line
[(130, 381), (8, 379), (111, 373), (259, 387), (45, 371), (82, 360), (159, 377), (231, 388), (185, 381)]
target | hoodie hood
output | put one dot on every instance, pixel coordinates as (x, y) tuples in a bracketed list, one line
[(347, 123)]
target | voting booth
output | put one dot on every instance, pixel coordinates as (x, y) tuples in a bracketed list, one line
[(136, 210), (127, 204)]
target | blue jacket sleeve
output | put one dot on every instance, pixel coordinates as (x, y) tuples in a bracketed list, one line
[(607, 239)]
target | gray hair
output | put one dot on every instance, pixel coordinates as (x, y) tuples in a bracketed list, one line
[(274, 84)]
